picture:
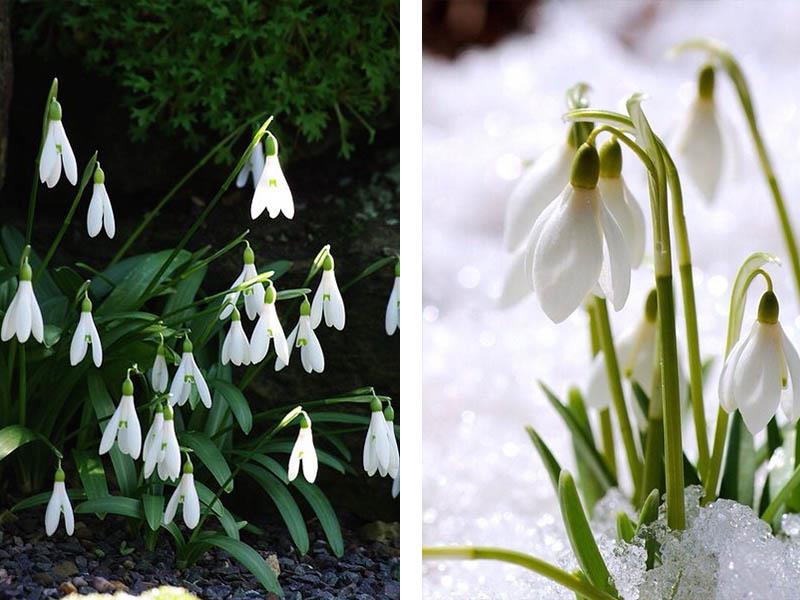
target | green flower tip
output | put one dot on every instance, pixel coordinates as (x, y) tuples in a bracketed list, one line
[(305, 308), (161, 351), (304, 424), (160, 408), (388, 413), (235, 316), (270, 294), (86, 305), (248, 255), (578, 133), (397, 269), (99, 175), (25, 271), (375, 405), (54, 114), (768, 308), (188, 467), (168, 414), (127, 387), (60, 475), (651, 306), (611, 159), (705, 82), (327, 264), (187, 345), (585, 168), (271, 145)]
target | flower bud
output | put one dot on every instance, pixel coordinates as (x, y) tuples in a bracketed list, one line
[(187, 345), (188, 467), (397, 269), (375, 405), (235, 316), (54, 114), (127, 387), (86, 305), (578, 133), (585, 168), (304, 424), (270, 294), (60, 476), (248, 255), (305, 308), (99, 175), (388, 413), (611, 159), (768, 308), (25, 271), (651, 306), (327, 264), (168, 414), (705, 82), (271, 144)]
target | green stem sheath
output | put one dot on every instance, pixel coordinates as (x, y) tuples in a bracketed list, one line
[(23, 386), (604, 414)]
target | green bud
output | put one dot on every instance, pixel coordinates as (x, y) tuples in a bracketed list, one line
[(54, 114), (388, 413), (127, 387), (585, 168), (578, 133), (305, 308), (327, 264), (86, 305), (99, 175), (188, 467), (235, 316), (270, 145), (187, 345), (304, 424), (25, 271), (160, 408), (651, 306), (161, 350), (270, 294), (375, 405), (60, 476), (705, 82), (768, 308), (611, 159), (168, 414), (248, 255), (397, 269)]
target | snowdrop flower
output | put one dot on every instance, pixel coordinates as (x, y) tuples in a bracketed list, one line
[(59, 504), (187, 376), (185, 494), (576, 247), (396, 485), (393, 467), (272, 191), (159, 375), (620, 201), (23, 316), (84, 336), (303, 451), (268, 328), (393, 306), (152, 442), (56, 150), (377, 454), (328, 300), (169, 458), (124, 426), (253, 295), (253, 166), (758, 368), (303, 337), (100, 214), (236, 348), (699, 138)]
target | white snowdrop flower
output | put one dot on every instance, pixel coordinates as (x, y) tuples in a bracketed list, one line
[(56, 150), (392, 321), (328, 300), (303, 337), (84, 336), (123, 426), (396, 485), (169, 458), (187, 376), (253, 295), (576, 247), (535, 190), (236, 348), (304, 452), (57, 505), (100, 214), (377, 453), (159, 375), (758, 368), (620, 201), (268, 328), (186, 494), (252, 167), (392, 469), (23, 316), (699, 138), (272, 191), (152, 442)]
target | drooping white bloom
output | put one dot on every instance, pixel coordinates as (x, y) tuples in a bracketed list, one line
[(59, 504), (186, 494), (268, 328), (377, 454), (56, 150), (123, 426), (169, 458), (396, 485), (253, 166), (272, 191), (392, 321), (187, 376), (758, 368), (100, 214), (699, 138), (303, 337), (393, 467), (236, 348), (152, 442), (253, 295), (23, 316), (303, 452), (576, 247), (84, 336), (328, 299), (536, 189), (159, 375)]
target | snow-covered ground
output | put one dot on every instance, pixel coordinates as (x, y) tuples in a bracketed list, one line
[(486, 115)]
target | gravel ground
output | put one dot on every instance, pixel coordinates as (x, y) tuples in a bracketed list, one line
[(103, 556)]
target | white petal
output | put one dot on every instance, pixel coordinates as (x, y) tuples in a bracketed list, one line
[(317, 305), (396, 486), (22, 312), (130, 437), (49, 158), (639, 234), (67, 156), (628, 216), (290, 341), (793, 365), (725, 390), (244, 173), (310, 461), (79, 345), (294, 461), (10, 319), (394, 451), (191, 503), (334, 306), (94, 217), (311, 353), (97, 346), (230, 299), (66, 509), (598, 392), (108, 215), (382, 444), (152, 444), (757, 380), (272, 192), (179, 390), (202, 386), (225, 355), (699, 142), (370, 459), (172, 506), (616, 261), (53, 513), (37, 323), (110, 431), (159, 377), (393, 308)]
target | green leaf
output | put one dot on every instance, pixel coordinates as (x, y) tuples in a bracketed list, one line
[(153, 510), (209, 455), (14, 437), (287, 507), (591, 487), (13, 243), (44, 498), (325, 513), (223, 514), (249, 558), (236, 402), (625, 529), (92, 474), (184, 294), (115, 505), (278, 268), (549, 461), (647, 515), (738, 479)]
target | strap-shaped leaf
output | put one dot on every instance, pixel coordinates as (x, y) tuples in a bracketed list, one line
[(92, 474), (14, 437), (115, 505), (225, 517), (44, 498), (153, 510), (591, 487), (549, 461), (236, 402), (325, 513), (625, 528), (209, 455), (249, 558)]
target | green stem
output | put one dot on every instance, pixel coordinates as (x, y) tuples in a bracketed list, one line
[(23, 386), (583, 588), (617, 393), (780, 499), (606, 429)]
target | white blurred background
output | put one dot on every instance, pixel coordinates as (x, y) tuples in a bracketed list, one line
[(486, 114)]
